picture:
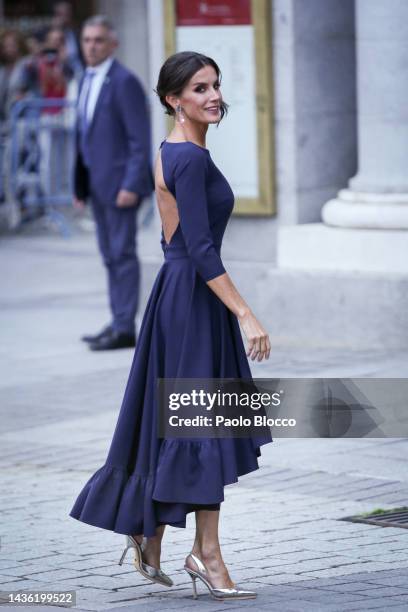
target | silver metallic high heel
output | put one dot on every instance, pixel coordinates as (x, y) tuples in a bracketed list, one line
[(149, 572), (217, 593)]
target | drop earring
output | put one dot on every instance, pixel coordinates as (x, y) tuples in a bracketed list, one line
[(179, 115)]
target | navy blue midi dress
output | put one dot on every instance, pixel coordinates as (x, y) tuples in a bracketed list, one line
[(186, 332)]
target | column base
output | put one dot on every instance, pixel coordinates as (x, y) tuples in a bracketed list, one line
[(367, 210), (315, 246)]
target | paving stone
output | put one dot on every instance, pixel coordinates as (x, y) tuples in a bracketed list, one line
[(351, 587), (388, 591), (378, 603)]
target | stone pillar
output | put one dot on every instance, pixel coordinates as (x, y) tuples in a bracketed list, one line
[(377, 196)]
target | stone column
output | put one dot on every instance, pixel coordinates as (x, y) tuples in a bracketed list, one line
[(377, 196)]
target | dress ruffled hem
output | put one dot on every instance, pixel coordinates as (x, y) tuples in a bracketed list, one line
[(197, 471), (136, 503)]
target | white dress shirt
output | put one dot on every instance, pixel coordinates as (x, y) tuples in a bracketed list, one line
[(100, 71)]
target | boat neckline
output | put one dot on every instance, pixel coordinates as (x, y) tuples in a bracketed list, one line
[(185, 142)]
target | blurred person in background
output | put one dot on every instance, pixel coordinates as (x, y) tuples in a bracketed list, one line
[(113, 168), (12, 53), (34, 41), (63, 18), (48, 73)]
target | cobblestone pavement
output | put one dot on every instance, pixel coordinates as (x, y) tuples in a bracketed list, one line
[(280, 528)]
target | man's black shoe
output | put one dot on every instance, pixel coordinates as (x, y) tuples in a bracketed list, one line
[(114, 340), (105, 332)]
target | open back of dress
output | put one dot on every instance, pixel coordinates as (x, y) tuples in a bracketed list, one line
[(166, 203)]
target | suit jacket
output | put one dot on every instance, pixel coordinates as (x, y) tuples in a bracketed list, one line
[(119, 141)]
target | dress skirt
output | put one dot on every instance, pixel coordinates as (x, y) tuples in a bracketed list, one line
[(147, 481)]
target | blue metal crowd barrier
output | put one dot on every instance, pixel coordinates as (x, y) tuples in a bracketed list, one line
[(41, 150)]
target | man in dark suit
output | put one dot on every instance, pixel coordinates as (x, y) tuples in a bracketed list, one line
[(113, 168)]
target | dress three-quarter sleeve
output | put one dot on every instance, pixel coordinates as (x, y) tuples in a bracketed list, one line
[(190, 189)]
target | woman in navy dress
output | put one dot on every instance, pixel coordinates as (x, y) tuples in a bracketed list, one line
[(190, 329)]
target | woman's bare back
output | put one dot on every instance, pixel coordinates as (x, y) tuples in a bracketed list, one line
[(166, 202)]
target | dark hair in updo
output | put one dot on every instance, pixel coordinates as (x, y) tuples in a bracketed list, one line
[(177, 71)]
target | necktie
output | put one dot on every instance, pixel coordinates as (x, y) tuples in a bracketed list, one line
[(84, 124), (87, 87)]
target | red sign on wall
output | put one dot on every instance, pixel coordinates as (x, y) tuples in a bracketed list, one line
[(213, 12)]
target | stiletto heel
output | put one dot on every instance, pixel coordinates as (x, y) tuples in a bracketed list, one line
[(123, 555), (149, 572), (219, 594), (193, 579)]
